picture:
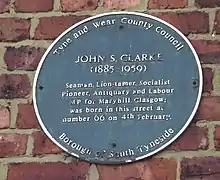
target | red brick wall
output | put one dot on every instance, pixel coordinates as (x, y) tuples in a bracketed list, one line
[(27, 27)]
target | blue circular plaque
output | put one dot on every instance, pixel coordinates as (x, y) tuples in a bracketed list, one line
[(117, 87)]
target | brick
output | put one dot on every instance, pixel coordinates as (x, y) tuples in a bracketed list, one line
[(48, 171), (78, 5), (207, 80), (217, 138), (34, 6), (207, 3), (14, 29), (4, 6), (14, 86), (26, 118), (12, 145), (23, 58), (206, 46), (198, 140), (166, 4), (158, 169), (210, 58), (190, 22), (4, 117), (200, 168), (51, 27), (121, 4), (208, 51), (217, 23), (43, 145), (209, 109)]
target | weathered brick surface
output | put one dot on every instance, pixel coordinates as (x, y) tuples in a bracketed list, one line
[(121, 4), (13, 29), (48, 171), (14, 86), (12, 145), (26, 118), (43, 145), (200, 168), (210, 58), (169, 4), (23, 58), (4, 117), (208, 51), (209, 109), (34, 6), (52, 27), (190, 22), (4, 6), (158, 169), (78, 5), (207, 80), (198, 140), (217, 138), (207, 3), (206, 46)]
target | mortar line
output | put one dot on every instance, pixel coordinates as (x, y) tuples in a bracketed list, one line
[(20, 72), (212, 66), (34, 43), (31, 80), (34, 24), (2, 62), (3, 172), (201, 124), (211, 123), (211, 129), (30, 145), (19, 131), (216, 93), (38, 159), (93, 173), (142, 6), (191, 3), (5, 103), (212, 15), (215, 81), (56, 5), (178, 168), (12, 6), (101, 4), (203, 37), (8, 101), (188, 154), (14, 114)]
